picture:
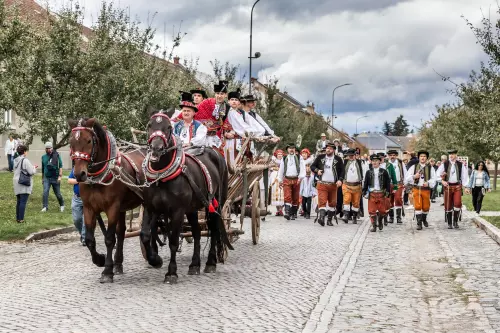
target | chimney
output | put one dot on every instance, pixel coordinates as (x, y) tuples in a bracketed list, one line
[(310, 108), (177, 60)]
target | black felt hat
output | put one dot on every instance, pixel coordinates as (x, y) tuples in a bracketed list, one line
[(199, 91), (290, 145), (375, 157), (392, 152), (234, 94), (221, 87), (420, 152), (186, 96), (452, 151)]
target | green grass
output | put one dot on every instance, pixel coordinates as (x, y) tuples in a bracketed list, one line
[(495, 220), (491, 201), (35, 220)]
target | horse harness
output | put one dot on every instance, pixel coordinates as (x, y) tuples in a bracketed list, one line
[(106, 175), (177, 166)]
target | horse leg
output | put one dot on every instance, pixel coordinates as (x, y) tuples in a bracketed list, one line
[(110, 241), (120, 235), (152, 256), (194, 268), (177, 219), (211, 265), (90, 222)]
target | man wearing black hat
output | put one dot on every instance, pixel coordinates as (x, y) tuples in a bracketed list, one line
[(351, 188), (422, 177), (377, 188), (365, 165), (396, 199), (392, 176), (289, 177), (198, 96), (454, 177), (248, 104), (190, 131), (330, 171)]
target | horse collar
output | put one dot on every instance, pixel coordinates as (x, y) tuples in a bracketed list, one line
[(171, 171)]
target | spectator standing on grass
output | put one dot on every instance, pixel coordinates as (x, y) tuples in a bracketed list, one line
[(10, 149), (51, 176), (22, 192), (479, 184), (77, 207)]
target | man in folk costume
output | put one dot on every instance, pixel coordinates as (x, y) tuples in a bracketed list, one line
[(212, 112), (305, 160), (321, 143), (277, 197), (289, 177), (396, 198), (454, 175), (423, 177), (190, 131), (238, 124), (248, 103), (351, 188), (199, 95), (392, 175), (365, 165), (377, 188), (329, 169)]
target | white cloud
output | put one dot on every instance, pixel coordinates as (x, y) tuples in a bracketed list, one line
[(389, 53)]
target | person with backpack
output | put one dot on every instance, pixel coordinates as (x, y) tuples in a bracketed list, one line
[(51, 176)]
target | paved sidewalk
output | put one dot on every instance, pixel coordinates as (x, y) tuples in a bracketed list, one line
[(404, 280), (486, 213)]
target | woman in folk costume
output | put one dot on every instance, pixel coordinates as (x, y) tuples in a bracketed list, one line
[(277, 195)]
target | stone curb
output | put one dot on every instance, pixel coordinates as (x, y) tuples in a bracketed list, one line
[(54, 232), (489, 228)]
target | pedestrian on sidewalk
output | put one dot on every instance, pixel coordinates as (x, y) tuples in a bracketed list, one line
[(10, 149), (479, 184), (307, 192), (422, 177), (454, 177), (21, 189), (77, 207), (377, 188), (51, 176)]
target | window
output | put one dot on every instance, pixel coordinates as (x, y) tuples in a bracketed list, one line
[(8, 117)]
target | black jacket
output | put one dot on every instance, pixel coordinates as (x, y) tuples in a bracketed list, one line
[(319, 164), (384, 180)]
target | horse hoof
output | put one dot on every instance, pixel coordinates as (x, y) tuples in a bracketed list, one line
[(106, 278), (194, 270), (210, 269), (170, 279), (100, 260), (156, 262), (118, 269)]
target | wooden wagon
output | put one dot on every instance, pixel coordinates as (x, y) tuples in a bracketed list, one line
[(244, 192)]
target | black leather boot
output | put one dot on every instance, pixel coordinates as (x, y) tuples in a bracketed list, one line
[(456, 213), (385, 220), (287, 212), (419, 221), (374, 223), (381, 221), (399, 219), (293, 213), (321, 218), (449, 220), (330, 218), (345, 218), (355, 217), (424, 220), (391, 215)]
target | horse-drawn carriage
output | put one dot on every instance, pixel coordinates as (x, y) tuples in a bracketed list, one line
[(244, 191)]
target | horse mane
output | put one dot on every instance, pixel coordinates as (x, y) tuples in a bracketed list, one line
[(154, 110), (99, 130)]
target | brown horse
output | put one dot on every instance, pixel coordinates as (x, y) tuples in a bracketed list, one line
[(98, 165)]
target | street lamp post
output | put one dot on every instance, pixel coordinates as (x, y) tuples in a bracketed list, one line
[(333, 99), (357, 123), (257, 54)]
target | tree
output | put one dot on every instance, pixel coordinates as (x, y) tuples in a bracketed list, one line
[(400, 127), (114, 76), (387, 128)]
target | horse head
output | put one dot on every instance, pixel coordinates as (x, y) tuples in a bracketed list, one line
[(160, 134), (87, 145)]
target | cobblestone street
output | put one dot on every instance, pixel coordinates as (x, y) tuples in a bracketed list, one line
[(300, 278)]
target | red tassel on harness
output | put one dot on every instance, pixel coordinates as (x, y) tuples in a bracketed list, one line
[(211, 208), (216, 203)]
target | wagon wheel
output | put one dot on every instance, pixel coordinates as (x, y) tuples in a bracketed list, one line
[(255, 213)]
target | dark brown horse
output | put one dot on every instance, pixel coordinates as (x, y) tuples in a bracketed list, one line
[(181, 184), (98, 164)]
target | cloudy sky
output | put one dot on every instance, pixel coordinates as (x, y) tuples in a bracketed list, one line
[(386, 48)]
